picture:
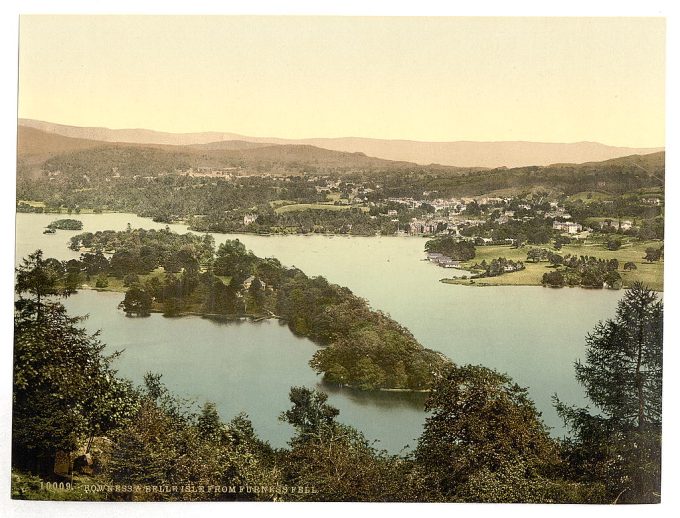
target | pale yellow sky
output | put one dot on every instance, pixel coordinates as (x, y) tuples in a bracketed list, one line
[(538, 79)]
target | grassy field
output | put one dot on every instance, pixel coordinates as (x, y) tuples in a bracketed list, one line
[(588, 196), (630, 251), (315, 206), (280, 203), (116, 284)]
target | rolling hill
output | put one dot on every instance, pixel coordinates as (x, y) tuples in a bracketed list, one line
[(37, 148), (460, 153)]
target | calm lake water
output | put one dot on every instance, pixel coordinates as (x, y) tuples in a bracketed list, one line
[(534, 334)]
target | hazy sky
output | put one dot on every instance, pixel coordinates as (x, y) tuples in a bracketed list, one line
[(539, 79)]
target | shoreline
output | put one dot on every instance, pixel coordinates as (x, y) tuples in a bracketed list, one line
[(466, 282), (219, 317), (244, 232)]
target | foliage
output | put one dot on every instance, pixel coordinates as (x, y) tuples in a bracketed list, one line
[(553, 279), (64, 388), (497, 267), (483, 425), (166, 443), (42, 278), (137, 301), (613, 244), (66, 224), (310, 415), (456, 250), (585, 271), (653, 254), (622, 376), (334, 459), (367, 349)]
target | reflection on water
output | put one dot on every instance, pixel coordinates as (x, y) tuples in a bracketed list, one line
[(241, 366), (380, 399)]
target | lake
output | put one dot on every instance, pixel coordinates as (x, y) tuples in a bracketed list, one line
[(532, 333)]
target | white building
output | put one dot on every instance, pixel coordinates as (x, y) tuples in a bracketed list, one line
[(567, 226)]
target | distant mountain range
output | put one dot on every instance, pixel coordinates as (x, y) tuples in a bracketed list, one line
[(39, 152), (461, 153), (35, 147)]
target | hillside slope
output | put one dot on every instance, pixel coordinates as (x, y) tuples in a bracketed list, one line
[(459, 153)]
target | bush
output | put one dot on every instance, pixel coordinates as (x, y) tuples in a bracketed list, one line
[(613, 244)]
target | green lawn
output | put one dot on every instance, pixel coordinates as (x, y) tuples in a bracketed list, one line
[(589, 196), (314, 206), (631, 251), (116, 284), (280, 203)]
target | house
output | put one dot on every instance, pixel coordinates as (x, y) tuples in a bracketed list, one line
[(446, 262), (618, 225), (249, 281), (249, 218), (567, 226)]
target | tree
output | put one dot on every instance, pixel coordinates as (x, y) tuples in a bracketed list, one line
[(336, 459), (165, 441), (310, 415), (554, 279), (41, 278), (622, 376), (613, 244), (629, 266), (555, 259), (64, 388), (94, 263), (137, 301), (653, 254), (130, 279), (481, 424), (536, 254), (257, 294), (209, 424), (457, 250), (613, 280)]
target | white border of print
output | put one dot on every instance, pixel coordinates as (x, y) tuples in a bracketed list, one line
[(8, 105)]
